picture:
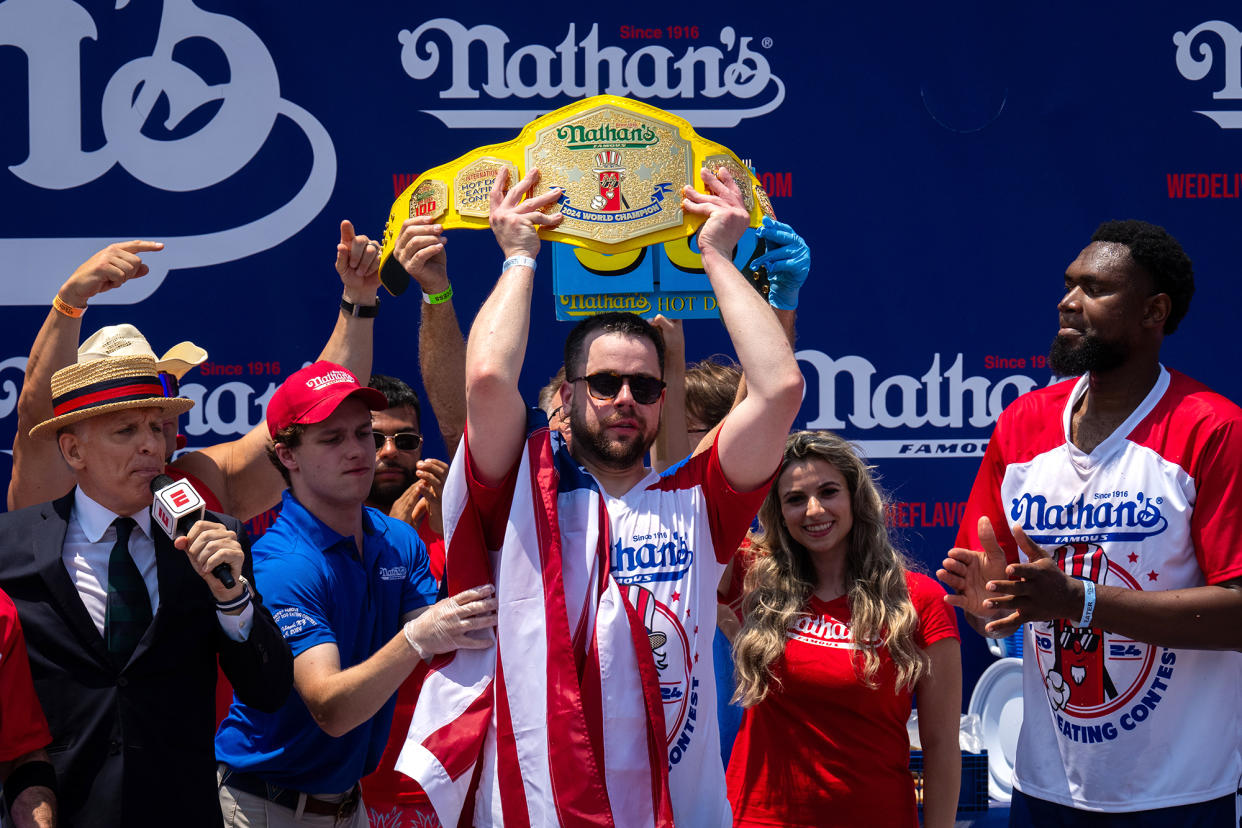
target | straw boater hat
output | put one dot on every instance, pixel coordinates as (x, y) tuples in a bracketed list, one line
[(105, 384), (125, 340)]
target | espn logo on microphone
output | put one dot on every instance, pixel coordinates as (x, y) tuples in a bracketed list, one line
[(173, 503)]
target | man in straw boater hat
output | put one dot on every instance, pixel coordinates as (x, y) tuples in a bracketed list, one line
[(234, 477), (123, 626)]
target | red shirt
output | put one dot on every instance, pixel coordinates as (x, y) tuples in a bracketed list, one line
[(22, 725), (823, 749)]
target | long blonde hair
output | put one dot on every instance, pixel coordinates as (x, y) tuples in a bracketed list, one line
[(781, 578)]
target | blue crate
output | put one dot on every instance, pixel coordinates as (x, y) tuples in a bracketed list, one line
[(973, 798)]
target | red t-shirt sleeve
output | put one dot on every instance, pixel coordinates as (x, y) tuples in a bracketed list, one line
[(1216, 525), (492, 503), (23, 727), (985, 499), (729, 512), (936, 618)]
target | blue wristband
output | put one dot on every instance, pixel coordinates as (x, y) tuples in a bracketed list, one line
[(1088, 604)]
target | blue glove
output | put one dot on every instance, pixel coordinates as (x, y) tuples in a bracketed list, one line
[(788, 263)]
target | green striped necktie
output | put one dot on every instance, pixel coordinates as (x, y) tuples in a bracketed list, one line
[(128, 612)]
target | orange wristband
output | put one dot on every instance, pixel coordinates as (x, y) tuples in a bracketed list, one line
[(66, 308)]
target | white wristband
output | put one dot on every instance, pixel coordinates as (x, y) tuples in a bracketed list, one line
[(1088, 604), (514, 261), (408, 630)]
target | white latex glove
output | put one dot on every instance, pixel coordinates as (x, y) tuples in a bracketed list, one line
[(448, 624)]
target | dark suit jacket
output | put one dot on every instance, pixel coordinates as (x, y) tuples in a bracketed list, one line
[(132, 744)]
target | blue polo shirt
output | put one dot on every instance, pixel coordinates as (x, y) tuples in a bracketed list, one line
[(320, 592)]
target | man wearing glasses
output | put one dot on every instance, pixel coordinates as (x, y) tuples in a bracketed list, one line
[(406, 486), (607, 576)]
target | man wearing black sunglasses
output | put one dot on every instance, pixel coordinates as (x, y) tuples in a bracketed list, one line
[(398, 454), (662, 535)]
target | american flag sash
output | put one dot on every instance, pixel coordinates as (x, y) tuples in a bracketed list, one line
[(560, 723)]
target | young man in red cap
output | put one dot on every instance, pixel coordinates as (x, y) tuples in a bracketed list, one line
[(351, 592)]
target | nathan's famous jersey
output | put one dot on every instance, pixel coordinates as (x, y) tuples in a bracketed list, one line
[(671, 538), (1113, 724)]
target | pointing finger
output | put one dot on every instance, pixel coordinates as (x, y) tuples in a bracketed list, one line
[(139, 246)]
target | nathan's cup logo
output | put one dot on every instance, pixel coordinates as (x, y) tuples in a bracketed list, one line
[(1089, 672), (670, 650), (611, 174)]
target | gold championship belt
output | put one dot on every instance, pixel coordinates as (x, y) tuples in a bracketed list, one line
[(621, 163)]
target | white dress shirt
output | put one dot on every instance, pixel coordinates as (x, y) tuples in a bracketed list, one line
[(88, 546)]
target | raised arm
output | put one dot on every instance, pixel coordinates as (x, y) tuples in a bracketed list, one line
[(39, 472), (238, 472), (788, 264), (752, 437), (672, 442), (353, 338), (497, 346), (441, 347)]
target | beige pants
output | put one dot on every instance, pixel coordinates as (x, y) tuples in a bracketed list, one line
[(243, 810)]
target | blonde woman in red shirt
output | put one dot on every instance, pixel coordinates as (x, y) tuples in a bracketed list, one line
[(839, 638)]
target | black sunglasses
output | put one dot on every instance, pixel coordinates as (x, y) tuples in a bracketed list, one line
[(606, 385), (404, 441)]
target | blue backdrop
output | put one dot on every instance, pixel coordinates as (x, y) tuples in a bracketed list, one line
[(944, 163)]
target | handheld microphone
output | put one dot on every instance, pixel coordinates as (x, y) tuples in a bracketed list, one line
[(177, 507)]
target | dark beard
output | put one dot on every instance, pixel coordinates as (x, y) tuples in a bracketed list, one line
[(1091, 354), (382, 496), (600, 451)]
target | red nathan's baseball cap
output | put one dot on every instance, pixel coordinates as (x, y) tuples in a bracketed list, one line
[(312, 394)]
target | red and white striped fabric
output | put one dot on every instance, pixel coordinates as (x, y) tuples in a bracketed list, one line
[(560, 723)]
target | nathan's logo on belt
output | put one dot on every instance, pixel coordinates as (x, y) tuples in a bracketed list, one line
[(580, 137), (663, 557), (1106, 516)]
